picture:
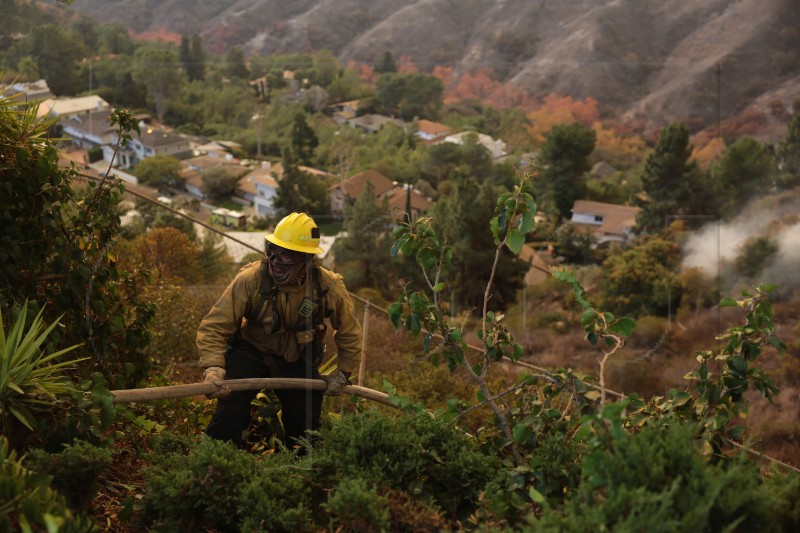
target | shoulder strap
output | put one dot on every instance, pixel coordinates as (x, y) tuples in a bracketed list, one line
[(319, 315), (265, 292)]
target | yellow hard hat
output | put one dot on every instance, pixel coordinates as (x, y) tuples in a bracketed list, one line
[(297, 232)]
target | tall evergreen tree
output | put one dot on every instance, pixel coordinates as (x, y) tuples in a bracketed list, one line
[(745, 169), (367, 226), (462, 217), (235, 66), (58, 51), (386, 63), (303, 139), (565, 156), (158, 69), (666, 179), (300, 191)]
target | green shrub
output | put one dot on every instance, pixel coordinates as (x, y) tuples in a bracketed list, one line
[(197, 491), (95, 154), (658, 480), (781, 492), (278, 498), (27, 502), (554, 471), (649, 333), (419, 454), (357, 506), (74, 470), (167, 443)]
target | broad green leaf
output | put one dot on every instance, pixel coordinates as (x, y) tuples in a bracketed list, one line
[(728, 302), (494, 225), (515, 241), (624, 326), (613, 411), (535, 495), (522, 432)]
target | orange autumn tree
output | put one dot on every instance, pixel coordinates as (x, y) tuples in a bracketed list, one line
[(556, 109)]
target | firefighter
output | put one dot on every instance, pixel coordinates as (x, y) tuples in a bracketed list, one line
[(270, 322)]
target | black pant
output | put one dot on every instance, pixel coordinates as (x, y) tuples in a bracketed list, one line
[(300, 409)]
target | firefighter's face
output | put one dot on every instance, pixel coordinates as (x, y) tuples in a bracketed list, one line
[(283, 261)]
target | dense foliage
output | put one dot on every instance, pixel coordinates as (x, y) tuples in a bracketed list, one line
[(472, 447)]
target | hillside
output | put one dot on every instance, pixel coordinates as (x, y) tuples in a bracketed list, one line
[(647, 62)]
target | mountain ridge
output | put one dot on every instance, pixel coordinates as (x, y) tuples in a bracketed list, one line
[(646, 62)]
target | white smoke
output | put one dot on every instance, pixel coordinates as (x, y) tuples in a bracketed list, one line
[(784, 269), (718, 241)]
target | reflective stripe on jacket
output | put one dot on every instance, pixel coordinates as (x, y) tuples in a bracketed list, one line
[(241, 296)]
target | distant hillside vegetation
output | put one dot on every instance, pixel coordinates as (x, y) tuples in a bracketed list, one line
[(647, 62)]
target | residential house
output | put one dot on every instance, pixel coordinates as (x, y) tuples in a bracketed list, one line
[(404, 196), (373, 123), (276, 169), (62, 108), (33, 91), (431, 132), (607, 222), (603, 170), (192, 171), (259, 187), (89, 130), (345, 193), (496, 147), (343, 112), (152, 141)]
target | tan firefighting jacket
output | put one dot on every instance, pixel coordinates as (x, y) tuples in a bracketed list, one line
[(242, 295)]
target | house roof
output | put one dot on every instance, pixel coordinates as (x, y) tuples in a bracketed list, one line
[(616, 218), (95, 123), (192, 177), (257, 176), (202, 162), (71, 106), (374, 123), (29, 91), (601, 169), (433, 129), (276, 170), (156, 137), (354, 185), (397, 201)]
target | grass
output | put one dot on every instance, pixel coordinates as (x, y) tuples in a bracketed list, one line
[(230, 204), (330, 228)]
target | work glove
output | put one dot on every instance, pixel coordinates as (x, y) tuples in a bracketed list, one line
[(216, 375), (336, 382)]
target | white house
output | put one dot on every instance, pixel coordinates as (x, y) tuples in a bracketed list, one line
[(608, 222), (152, 141), (259, 187), (89, 130)]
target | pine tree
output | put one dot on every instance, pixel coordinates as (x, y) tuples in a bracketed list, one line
[(367, 233), (304, 140), (666, 179), (565, 156), (299, 191), (386, 63)]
